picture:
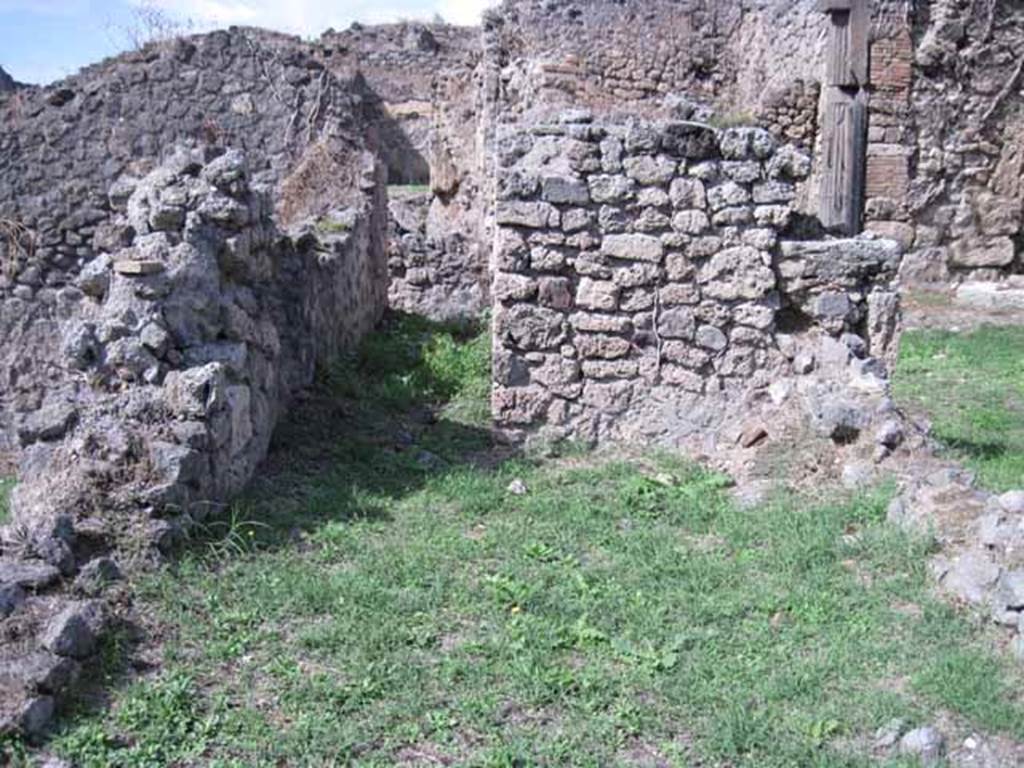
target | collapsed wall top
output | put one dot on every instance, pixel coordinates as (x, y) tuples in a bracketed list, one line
[(7, 82), (63, 145), (69, 151)]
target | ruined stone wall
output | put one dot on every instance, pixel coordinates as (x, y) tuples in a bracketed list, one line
[(966, 126), (431, 276), (718, 63), (163, 299), (943, 94), (741, 57), (422, 85), (404, 66), (641, 289), (62, 146), (175, 354), (168, 365), (68, 153)]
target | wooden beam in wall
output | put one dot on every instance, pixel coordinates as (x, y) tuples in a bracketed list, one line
[(844, 130), (844, 159), (847, 55)]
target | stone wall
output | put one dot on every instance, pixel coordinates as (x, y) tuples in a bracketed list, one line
[(173, 356), (719, 63), (642, 292), (966, 123), (169, 361), (423, 90), (430, 276), (404, 66), (625, 55), (65, 146), (71, 155), (944, 99), (187, 234)]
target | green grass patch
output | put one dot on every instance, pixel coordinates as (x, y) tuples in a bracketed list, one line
[(333, 226), (360, 608), (404, 190), (971, 387), (6, 486), (415, 362), (614, 607)]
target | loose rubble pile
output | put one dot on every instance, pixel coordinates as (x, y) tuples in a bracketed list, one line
[(982, 539), (47, 635)]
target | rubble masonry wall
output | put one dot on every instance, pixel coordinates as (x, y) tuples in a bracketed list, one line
[(641, 289)]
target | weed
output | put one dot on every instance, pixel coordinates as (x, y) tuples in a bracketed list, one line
[(232, 535), (6, 486), (160, 722), (332, 226), (14, 753), (149, 24), (415, 362)]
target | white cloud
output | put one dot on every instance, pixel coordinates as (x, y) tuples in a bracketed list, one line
[(462, 11), (311, 17)]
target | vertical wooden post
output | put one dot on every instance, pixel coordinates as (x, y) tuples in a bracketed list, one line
[(844, 131)]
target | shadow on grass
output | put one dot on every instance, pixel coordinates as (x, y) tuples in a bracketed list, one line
[(969, 385), (409, 405), (975, 449)]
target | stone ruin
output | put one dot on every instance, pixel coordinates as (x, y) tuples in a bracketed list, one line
[(690, 220), (645, 292)]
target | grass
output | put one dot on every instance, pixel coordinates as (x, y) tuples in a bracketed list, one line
[(623, 611), (332, 226), (732, 120), (971, 387), (6, 486), (414, 362), (399, 190)]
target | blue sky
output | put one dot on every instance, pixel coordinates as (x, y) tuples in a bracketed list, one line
[(44, 40)]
